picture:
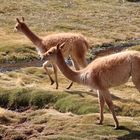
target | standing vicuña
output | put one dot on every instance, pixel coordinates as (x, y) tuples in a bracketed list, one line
[(102, 73), (76, 46)]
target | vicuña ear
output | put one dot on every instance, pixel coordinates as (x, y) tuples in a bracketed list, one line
[(57, 46), (62, 45), (23, 19), (18, 20)]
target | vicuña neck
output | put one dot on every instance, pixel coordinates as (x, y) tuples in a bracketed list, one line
[(34, 38), (69, 73)]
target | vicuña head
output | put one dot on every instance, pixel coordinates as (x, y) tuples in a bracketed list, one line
[(19, 25), (52, 52)]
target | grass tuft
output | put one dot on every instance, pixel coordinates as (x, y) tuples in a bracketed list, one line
[(77, 105), (19, 98), (42, 98)]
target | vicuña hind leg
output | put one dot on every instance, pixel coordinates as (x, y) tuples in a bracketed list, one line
[(135, 73), (137, 83), (101, 103), (108, 100)]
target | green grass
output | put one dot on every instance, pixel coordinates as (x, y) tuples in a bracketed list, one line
[(22, 97), (62, 101), (30, 87), (77, 105), (16, 53)]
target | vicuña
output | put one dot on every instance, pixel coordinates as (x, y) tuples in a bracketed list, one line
[(76, 47), (101, 74)]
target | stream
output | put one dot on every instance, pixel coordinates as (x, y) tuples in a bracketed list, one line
[(95, 51)]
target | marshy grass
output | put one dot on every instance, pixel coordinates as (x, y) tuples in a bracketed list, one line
[(33, 90)]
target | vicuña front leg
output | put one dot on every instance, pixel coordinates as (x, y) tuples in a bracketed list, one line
[(45, 67), (108, 100), (101, 103), (55, 73)]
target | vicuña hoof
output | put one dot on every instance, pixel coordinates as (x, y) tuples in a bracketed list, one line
[(116, 128), (52, 82), (99, 123), (70, 85)]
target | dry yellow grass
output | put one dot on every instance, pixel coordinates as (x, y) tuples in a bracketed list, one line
[(51, 124)]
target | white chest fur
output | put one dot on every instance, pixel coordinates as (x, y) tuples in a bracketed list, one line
[(40, 52)]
